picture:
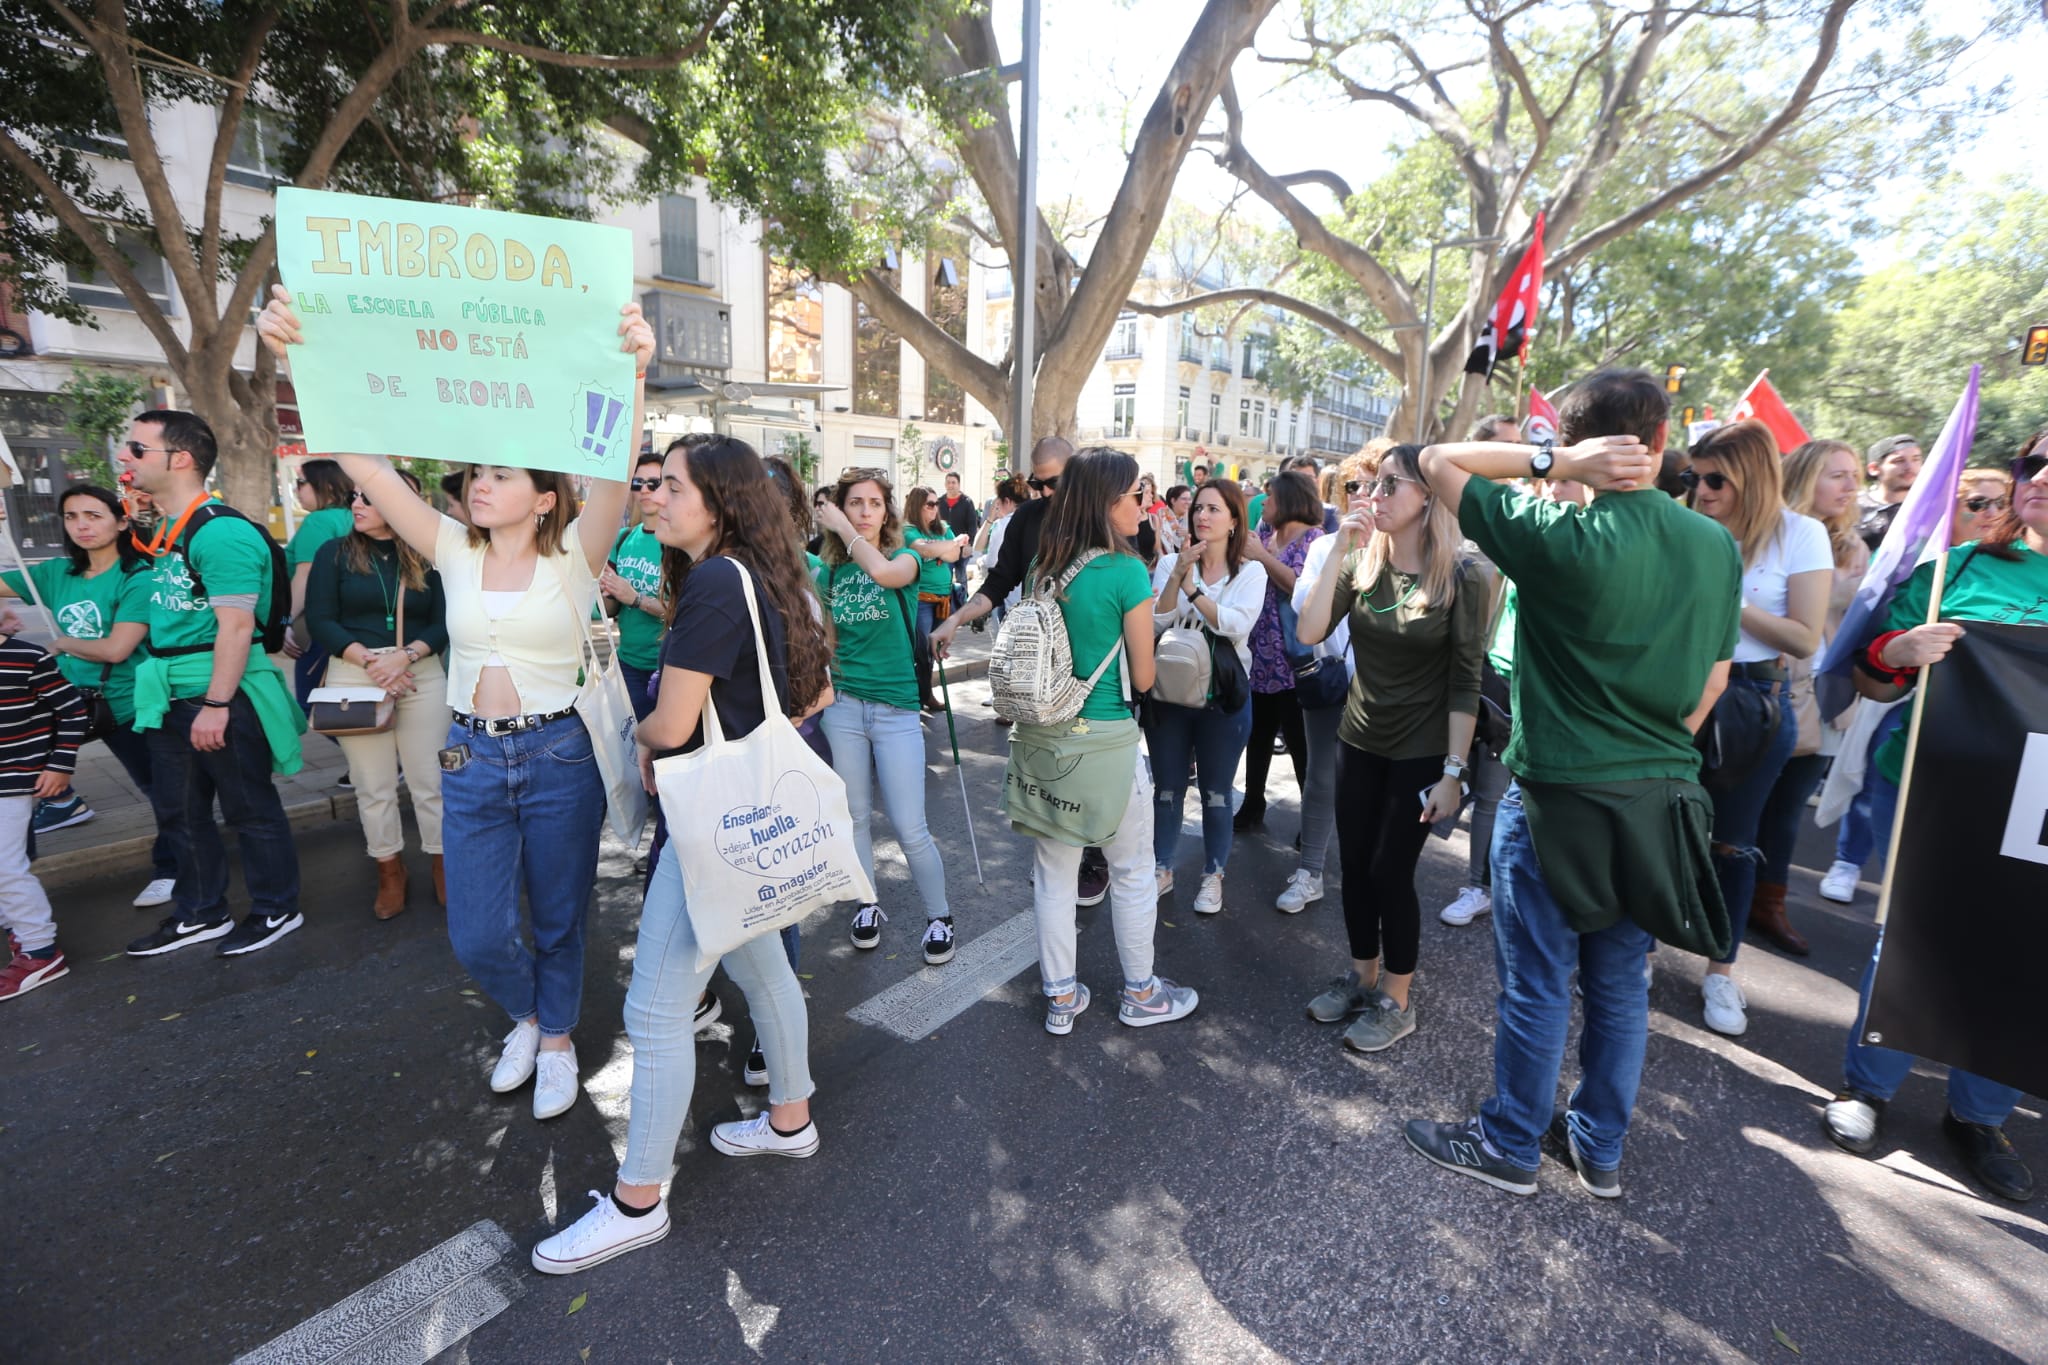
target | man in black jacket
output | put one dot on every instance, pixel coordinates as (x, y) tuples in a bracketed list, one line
[(1020, 547), (957, 511)]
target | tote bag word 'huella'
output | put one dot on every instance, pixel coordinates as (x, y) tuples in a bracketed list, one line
[(760, 824)]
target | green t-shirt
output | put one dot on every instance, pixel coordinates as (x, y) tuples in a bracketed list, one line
[(1624, 606), (1255, 510), (1500, 651), (329, 523), (637, 557), (1416, 662), (89, 609), (234, 559), (1094, 606), (873, 659), (936, 575), (1987, 588)]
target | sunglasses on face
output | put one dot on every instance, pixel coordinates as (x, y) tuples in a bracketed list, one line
[(644, 485), (1044, 485), (359, 496), (1385, 486), (138, 450), (2025, 469), (1692, 479), (1979, 504)]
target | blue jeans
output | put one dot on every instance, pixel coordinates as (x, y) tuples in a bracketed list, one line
[(660, 1019), (1867, 829), (238, 776), (872, 740), (1739, 812), (1879, 1071), (1216, 739), (636, 688), (1534, 952), (130, 747), (523, 814)]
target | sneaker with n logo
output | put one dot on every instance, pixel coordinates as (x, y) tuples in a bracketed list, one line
[(175, 932), (1462, 1147)]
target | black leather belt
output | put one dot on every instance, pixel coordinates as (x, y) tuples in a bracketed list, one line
[(508, 725), (1763, 670)]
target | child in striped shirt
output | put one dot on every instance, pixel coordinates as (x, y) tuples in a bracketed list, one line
[(43, 720)]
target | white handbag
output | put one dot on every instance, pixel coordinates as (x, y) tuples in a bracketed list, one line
[(605, 705), (759, 824)]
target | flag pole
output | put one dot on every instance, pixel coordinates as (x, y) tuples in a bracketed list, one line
[(1891, 859), (946, 695)]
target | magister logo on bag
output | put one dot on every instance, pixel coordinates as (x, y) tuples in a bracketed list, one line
[(773, 840)]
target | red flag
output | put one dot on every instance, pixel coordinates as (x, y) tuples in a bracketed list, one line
[(1507, 330), (1760, 403), (1542, 422)]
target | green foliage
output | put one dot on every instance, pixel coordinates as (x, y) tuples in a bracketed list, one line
[(761, 112), (1973, 276), (97, 408)]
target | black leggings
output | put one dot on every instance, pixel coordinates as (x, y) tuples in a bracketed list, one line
[(1380, 835), (1273, 713)]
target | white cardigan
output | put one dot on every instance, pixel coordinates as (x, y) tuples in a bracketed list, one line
[(1239, 601)]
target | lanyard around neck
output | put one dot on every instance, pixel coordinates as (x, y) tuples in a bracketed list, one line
[(161, 543)]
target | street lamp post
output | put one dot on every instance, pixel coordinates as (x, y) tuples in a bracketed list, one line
[(1423, 404)]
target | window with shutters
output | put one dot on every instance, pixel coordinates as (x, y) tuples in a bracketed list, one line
[(680, 254)]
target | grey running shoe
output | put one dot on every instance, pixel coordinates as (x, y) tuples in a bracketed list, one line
[(1167, 1003), (1059, 1019), (1376, 1030), (1343, 998)]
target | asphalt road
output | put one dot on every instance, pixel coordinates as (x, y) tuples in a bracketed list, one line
[(200, 1154)]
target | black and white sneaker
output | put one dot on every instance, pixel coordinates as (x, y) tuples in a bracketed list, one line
[(938, 941), (174, 933), (867, 925), (755, 1072), (708, 1011), (1559, 1142), (259, 931), (1462, 1147)]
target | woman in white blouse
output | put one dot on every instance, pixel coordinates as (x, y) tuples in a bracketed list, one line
[(522, 802), (1213, 587)]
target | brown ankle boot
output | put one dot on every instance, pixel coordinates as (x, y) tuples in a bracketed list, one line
[(440, 883), (1767, 918), (390, 888)]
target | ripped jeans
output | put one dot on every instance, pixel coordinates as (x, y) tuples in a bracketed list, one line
[(1738, 815), (1215, 740)]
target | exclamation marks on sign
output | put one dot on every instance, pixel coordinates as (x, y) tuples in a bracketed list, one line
[(600, 424)]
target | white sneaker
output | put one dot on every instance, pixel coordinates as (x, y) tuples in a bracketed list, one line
[(1304, 886), (1209, 900), (757, 1137), (598, 1236), (1724, 1005), (158, 892), (1839, 885), (1163, 876), (515, 1067), (556, 1086), (1471, 903)]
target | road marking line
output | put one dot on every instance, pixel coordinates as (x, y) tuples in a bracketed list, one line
[(411, 1315), (921, 1002)]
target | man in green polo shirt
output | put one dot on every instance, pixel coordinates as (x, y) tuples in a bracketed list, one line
[(631, 587), (1628, 611), (219, 716)]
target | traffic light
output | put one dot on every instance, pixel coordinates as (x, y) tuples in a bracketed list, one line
[(1689, 413), (1674, 379), (2035, 352)]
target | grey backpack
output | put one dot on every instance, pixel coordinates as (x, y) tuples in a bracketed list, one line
[(1031, 669)]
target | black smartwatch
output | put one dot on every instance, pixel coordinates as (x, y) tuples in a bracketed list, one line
[(1542, 460)]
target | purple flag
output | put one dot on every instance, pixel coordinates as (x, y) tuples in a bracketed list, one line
[(1918, 534)]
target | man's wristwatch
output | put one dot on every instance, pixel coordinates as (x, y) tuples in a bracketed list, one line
[(1456, 767), (1542, 460)]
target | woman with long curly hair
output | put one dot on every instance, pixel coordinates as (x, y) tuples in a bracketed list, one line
[(721, 522)]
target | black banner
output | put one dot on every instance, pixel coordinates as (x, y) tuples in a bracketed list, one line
[(1966, 942)]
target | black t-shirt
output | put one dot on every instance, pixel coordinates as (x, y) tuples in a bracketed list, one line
[(712, 634)]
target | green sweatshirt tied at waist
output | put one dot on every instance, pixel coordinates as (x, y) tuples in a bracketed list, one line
[(1070, 783), (157, 681), (1641, 849)]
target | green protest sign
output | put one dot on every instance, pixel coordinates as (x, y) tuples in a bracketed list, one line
[(458, 333)]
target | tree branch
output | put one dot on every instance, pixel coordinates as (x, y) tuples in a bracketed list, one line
[(547, 56), (224, 141), (1386, 357), (1802, 95), (988, 384), (109, 40), (1329, 180)]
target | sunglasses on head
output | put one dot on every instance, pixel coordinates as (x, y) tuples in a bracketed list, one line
[(853, 476), (1692, 479), (644, 485)]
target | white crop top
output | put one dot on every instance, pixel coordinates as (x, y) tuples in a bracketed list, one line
[(535, 633)]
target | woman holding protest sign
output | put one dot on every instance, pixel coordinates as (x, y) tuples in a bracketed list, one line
[(868, 583), (721, 522), (2003, 577), (1735, 477), (522, 801)]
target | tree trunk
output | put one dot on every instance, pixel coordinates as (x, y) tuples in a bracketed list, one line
[(247, 469)]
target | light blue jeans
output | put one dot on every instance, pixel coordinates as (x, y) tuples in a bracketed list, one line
[(661, 1007), (1879, 1071), (1319, 796), (1215, 740), (871, 740)]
